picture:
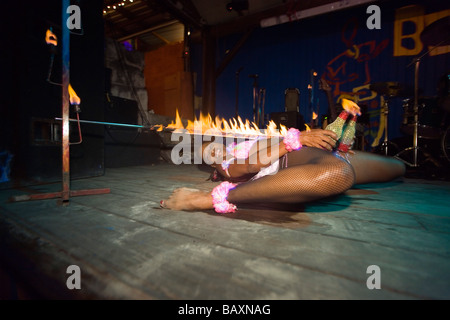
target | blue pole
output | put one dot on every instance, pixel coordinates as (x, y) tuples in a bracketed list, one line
[(65, 49)]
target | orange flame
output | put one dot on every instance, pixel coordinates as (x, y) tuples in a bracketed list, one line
[(314, 115), (178, 123), (50, 38), (351, 106), (74, 99), (206, 125)]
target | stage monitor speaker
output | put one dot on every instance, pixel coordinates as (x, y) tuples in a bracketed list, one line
[(108, 80), (128, 146), (136, 147), (291, 119), (291, 100), (121, 110)]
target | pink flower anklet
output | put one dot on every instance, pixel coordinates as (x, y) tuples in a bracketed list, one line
[(220, 194)]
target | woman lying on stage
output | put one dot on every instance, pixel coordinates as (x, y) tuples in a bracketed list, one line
[(307, 168)]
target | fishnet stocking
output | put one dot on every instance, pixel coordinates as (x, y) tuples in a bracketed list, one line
[(370, 167), (311, 174)]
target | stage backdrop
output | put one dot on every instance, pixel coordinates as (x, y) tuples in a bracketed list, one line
[(344, 52)]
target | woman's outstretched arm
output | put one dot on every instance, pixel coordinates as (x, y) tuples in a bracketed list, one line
[(265, 152)]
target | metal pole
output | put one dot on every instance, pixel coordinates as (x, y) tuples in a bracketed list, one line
[(158, 128), (65, 43), (109, 123), (255, 96), (416, 110), (237, 92), (386, 124), (262, 119)]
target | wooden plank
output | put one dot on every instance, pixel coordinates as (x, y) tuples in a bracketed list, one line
[(408, 196), (351, 256), (412, 222), (162, 264), (391, 218), (325, 250)]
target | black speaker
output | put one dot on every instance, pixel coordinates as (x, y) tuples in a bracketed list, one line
[(128, 146), (135, 147), (121, 110), (291, 119), (108, 79), (291, 100)]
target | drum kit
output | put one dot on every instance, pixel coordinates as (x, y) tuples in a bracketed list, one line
[(423, 117)]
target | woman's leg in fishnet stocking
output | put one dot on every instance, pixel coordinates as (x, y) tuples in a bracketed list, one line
[(311, 174), (370, 167)]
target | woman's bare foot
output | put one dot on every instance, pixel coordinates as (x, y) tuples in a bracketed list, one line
[(188, 199)]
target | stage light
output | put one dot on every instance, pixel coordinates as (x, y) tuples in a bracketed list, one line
[(114, 5), (237, 5)]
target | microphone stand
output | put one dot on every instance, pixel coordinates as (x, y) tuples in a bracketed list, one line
[(237, 91), (255, 97), (262, 93)]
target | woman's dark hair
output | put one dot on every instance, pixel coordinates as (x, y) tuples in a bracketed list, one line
[(216, 176)]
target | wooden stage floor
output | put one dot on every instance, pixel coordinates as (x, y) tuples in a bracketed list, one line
[(128, 248)]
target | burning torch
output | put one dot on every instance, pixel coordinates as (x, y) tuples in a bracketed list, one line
[(75, 101), (52, 41)]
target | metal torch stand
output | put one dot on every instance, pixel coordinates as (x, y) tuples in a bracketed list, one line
[(65, 194)]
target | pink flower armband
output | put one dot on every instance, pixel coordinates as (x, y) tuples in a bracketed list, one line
[(220, 194), (292, 140)]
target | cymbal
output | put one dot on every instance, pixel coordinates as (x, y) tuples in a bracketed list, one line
[(391, 89), (437, 33)]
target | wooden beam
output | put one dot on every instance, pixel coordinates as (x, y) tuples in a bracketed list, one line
[(160, 37), (148, 30), (254, 20), (182, 13), (209, 79), (233, 52), (141, 45), (245, 22)]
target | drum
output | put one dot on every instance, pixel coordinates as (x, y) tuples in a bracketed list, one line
[(429, 118)]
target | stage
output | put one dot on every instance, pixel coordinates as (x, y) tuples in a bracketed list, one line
[(126, 247)]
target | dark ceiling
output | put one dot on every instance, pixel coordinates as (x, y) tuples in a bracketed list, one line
[(154, 23)]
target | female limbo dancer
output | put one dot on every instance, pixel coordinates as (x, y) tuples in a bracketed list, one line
[(305, 169)]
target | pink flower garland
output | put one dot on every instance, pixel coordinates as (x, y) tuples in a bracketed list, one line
[(220, 194), (241, 150), (292, 140)]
